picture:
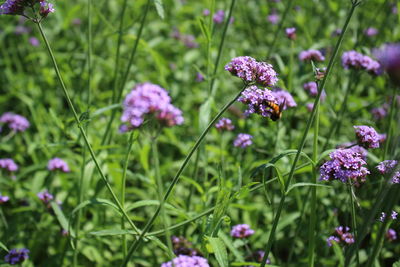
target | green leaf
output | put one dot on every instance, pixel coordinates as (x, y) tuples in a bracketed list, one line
[(228, 242), (339, 253), (204, 29), (105, 109), (204, 113), (159, 8), (113, 232), (3, 246), (305, 184), (396, 264), (219, 250), (60, 216)]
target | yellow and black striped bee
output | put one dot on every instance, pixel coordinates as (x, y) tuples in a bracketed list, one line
[(276, 113)]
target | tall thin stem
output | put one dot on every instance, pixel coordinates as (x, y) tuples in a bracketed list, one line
[(150, 222), (126, 74), (81, 129), (390, 124), (353, 217), (304, 137)]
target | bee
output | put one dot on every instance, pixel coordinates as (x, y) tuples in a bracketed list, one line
[(276, 113)]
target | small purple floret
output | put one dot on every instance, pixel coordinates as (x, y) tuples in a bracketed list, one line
[(243, 140), (8, 164), (257, 101), (387, 166), (225, 124), (241, 231), (57, 164), (4, 199), (391, 234), (45, 197), (367, 136)]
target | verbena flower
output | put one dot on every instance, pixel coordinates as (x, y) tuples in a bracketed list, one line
[(359, 149), (257, 101), (14, 121), (310, 106), (382, 138), (357, 61), (13, 7), (4, 199), (8, 164), (206, 12), (389, 57), (393, 215), (371, 32), (311, 54), (46, 8), (291, 33), (148, 99), (345, 164), (16, 256), (382, 217), (367, 136), (387, 166), (396, 178), (312, 89), (189, 41), (219, 16), (34, 41), (199, 77), (285, 98), (391, 234), (186, 261), (248, 69), (45, 197), (224, 124), (57, 164), (342, 235), (241, 231), (243, 140), (273, 17), (336, 32), (380, 112)]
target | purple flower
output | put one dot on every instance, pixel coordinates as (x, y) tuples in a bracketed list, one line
[(199, 77), (8, 164), (46, 8), (189, 41), (355, 60), (206, 12), (257, 101), (379, 113), (310, 106), (13, 7), (4, 199), (336, 32), (382, 138), (387, 166), (291, 33), (383, 217), (243, 140), (15, 256), (15, 122), (389, 57), (45, 197), (241, 231), (224, 124), (342, 234), (391, 234), (396, 178), (367, 136), (371, 32), (284, 98), (311, 54), (273, 18), (312, 89), (219, 16), (258, 256), (393, 215), (186, 261), (34, 41), (332, 239), (345, 164), (57, 164), (248, 69), (149, 99)]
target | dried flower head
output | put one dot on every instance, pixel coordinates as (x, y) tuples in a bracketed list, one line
[(367, 136)]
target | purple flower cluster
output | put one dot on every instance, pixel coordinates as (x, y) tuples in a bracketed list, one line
[(45, 197), (241, 231), (258, 101), (8, 164), (4, 199), (284, 98), (219, 17), (311, 54), (380, 112), (355, 60), (15, 256), (359, 149), (224, 124), (15, 122), (389, 57), (387, 166), (312, 89), (46, 8), (186, 261), (393, 216), (248, 69), (396, 178), (391, 234), (149, 99), (341, 234), (273, 17), (344, 164), (57, 164), (183, 247), (243, 140), (367, 136), (17, 7), (291, 33), (371, 32)]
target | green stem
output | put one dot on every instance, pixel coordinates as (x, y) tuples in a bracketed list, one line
[(353, 218), (81, 129), (304, 137), (391, 119), (280, 27), (313, 207), (126, 74), (149, 224), (160, 189), (123, 187)]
